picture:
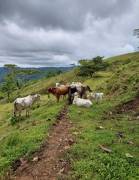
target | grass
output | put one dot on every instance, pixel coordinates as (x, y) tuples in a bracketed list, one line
[(25, 136), (120, 84), (88, 161), (41, 85)]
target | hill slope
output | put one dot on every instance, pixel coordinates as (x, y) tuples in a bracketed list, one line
[(110, 126), (117, 114)]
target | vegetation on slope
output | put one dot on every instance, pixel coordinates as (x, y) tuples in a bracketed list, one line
[(26, 136), (120, 134), (119, 82)]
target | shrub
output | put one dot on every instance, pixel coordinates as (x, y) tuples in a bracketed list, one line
[(14, 120)]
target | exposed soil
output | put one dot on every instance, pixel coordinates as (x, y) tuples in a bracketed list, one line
[(132, 105), (48, 163)]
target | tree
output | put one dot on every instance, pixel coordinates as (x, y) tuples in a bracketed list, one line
[(11, 67), (98, 60), (89, 67), (8, 86), (12, 80), (86, 68)]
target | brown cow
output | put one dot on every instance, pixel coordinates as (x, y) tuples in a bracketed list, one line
[(59, 91)]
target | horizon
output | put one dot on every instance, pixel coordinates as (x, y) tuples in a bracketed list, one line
[(70, 65), (42, 66)]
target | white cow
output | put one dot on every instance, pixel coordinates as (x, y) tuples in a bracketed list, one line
[(96, 96), (25, 103), (76, 84), (81, 102)]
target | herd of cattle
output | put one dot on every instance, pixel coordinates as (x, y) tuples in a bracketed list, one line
[(78, 94)]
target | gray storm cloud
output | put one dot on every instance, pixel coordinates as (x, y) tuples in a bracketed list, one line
[(60, 32)]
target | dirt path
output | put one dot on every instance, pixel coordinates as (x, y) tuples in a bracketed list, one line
[(48, 162)]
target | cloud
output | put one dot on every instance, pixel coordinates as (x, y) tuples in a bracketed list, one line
[(60, 13), (60, 32)]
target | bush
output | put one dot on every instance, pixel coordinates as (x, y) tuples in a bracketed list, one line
[(89, 67), (14, 120)]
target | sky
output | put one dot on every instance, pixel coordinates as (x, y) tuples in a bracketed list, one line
[(36, 33)]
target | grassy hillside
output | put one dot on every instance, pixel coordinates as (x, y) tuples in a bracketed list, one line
[(120, 84), (26, 136)]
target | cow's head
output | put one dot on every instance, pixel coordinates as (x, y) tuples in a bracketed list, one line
[(88, 89), (36, 97), (51, 90)]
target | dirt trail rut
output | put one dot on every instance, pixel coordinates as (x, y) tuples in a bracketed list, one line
[(49, 163)]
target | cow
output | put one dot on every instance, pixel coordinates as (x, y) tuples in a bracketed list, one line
[(25, 103), (81, 89), (81, 102), (59, 91), (95, 96)]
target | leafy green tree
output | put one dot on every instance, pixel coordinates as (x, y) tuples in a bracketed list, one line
[(11, 70), (89, 67), (8, 86), (86, 68), (12, 80)]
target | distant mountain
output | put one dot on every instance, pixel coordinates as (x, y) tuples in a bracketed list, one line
[(42, 72)]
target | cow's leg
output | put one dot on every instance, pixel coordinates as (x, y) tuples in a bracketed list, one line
[(14, 113), (58, 97), (69, 99), (97, 100), (26, 112), (80, 95), (64, 96), (20, 114), (85, 95)]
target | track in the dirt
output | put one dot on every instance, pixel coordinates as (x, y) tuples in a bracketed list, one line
[(50, 163)]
